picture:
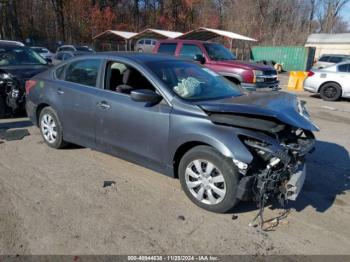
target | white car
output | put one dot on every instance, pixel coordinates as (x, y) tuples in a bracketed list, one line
[(43, 51), (331, 82), (11, 42)]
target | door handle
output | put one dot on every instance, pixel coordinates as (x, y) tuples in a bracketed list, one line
[(60, 92), (103, 105)]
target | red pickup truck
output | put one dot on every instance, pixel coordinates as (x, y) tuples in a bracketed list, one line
[(219, 59)]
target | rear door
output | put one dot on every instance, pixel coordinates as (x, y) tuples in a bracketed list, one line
[(77, 92), (344, 78)]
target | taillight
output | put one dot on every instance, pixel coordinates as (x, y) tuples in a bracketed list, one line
[(310, 73), (29, 85)]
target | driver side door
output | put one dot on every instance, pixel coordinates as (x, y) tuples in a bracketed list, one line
[(131, 130)]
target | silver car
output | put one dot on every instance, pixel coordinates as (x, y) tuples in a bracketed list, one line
[(43, 51), (328, 60), (331, 82), (145, 45)]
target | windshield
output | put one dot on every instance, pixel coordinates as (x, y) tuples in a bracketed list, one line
[(193, 82), (10, 56), (218, 52)]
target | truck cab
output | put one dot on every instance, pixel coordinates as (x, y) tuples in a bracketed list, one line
[(219, 59)]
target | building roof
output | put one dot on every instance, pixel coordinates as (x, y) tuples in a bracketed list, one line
[(329, 39), (205, 34), (156, 34), (113, 35)]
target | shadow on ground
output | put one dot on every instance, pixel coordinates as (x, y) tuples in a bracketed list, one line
[(328, 176)]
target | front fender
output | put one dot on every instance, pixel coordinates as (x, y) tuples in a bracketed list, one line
[(202, 130)]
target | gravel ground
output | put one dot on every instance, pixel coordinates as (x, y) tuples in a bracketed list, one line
[(53, 202)]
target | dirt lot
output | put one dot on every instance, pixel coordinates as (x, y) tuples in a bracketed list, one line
[(53, 202)]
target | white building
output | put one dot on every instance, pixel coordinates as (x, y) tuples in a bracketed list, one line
[(329, 44)]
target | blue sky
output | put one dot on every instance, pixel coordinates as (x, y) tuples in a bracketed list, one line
[(345, 13)]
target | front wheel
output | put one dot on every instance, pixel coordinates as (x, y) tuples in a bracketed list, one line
[(51, 129), (209, 179)]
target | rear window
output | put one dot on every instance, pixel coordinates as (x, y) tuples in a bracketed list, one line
[(83, 72), (167, 48)]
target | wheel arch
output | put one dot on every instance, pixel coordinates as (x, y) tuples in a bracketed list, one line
[(38, 111), (329, 82)]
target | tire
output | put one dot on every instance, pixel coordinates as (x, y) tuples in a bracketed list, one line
[(224, 176), (50, 126), (140, 50), (3, 107), (330, 92)]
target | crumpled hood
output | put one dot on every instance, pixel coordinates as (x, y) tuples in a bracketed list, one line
[(279, 105)]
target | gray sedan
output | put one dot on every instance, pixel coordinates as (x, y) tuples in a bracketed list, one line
[(331, 82), (180, 119)]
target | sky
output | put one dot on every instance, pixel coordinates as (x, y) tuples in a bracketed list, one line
[(345, 13)]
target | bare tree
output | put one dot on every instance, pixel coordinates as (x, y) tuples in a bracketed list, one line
[(329, 14)]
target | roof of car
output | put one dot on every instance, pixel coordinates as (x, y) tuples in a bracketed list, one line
[(140, 57), (336, 55), (10, 45), (182, 41)]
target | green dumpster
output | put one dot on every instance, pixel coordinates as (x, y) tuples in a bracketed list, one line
[(292, 58)]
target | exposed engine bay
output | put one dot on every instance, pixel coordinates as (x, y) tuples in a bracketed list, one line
[(12, 92)]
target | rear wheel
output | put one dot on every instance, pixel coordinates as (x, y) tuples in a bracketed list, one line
[(209, 179), (2, 107), (140, 50), (51, 128), (330, 91)]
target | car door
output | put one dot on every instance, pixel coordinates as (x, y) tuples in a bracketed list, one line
[(344, 78), (189, 51), (132, 130), (76, 90)]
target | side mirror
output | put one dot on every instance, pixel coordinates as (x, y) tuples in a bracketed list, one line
[(145, 95), (199, 58)]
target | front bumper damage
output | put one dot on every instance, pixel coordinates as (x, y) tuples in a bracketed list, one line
[(277, 171), (13, 92)]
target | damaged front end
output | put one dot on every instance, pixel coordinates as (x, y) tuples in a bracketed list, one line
[(12, 92), (277, 169)]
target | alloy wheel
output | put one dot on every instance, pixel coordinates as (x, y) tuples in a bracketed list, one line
[(48, 128)]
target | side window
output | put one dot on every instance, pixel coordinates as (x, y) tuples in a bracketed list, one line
[(167, 48), (189, 51), (148, 42), (154, 42), (344, 68), (335, 59), (60, 72), (123, 78), (324, 59), (141, 42), (83, 72)]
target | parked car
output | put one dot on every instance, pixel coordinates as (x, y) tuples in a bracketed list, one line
[(72, 48), (17, 64), (43, 51), (65, 55), (216, 57), (176, 117), (11, 42), (145, 45), (328, 60), (332, 82)]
